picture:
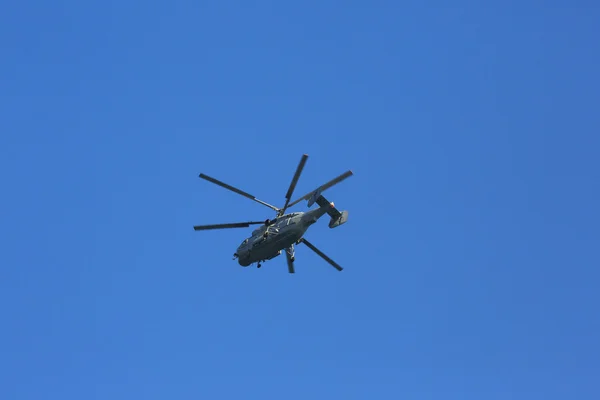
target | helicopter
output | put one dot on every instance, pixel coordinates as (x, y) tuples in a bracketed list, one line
[(286, 230)]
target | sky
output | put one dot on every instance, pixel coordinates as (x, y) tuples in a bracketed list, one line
[(471, 250)]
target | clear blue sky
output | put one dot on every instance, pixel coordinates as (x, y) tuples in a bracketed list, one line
[(470, 254)]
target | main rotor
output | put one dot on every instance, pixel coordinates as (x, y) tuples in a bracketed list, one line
[(279, 211)]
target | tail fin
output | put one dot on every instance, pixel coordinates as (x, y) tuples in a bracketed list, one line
[(335, 222), (337, 218)]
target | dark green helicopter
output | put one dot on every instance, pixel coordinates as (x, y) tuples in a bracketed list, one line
[(285, 230)]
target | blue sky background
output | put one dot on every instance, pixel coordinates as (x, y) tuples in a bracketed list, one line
[(470, 254)]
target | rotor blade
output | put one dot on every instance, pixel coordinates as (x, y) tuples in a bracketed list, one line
[(288, 195), (322, 188), (236, 190), (290, 263), (223, 226), (319, 252)]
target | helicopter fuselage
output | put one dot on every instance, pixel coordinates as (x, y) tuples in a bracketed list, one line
[(268, 242)]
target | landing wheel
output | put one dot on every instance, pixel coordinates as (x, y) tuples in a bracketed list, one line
[(292, 259), (258, 265)]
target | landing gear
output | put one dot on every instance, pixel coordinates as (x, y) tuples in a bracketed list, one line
[(291, 253), (258, 265)]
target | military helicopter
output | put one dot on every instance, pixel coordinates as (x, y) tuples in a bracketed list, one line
[(285, 230)]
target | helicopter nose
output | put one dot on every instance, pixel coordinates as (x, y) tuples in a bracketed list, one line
[(243, 262)]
